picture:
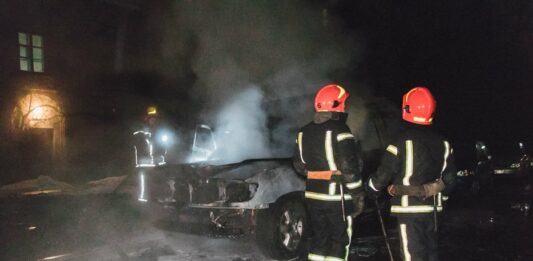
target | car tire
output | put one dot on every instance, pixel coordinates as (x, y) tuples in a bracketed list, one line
[(281, 230)]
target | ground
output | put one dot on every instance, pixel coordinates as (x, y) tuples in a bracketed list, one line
[(493, 226)]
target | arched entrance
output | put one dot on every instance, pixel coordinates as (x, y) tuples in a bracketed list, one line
[(38, 118)]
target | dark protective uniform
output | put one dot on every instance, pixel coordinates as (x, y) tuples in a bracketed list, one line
[(525, 161), (483, 169), (328, 154), (149, 154), (418, 157)]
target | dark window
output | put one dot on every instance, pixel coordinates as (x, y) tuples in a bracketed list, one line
[(31, 55)]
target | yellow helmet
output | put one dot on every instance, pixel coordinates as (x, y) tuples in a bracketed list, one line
[(151, 110)]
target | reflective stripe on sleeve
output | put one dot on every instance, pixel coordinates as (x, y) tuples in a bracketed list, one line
[(315, 257), (329, 151), (446, 154), (392, 149), (326, 197), (371, 185), (344, 136), (334, 258), (300, 137), (354, 185), (414, 209)]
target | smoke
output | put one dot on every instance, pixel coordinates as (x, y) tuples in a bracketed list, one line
[(241, 129), (272, 51)]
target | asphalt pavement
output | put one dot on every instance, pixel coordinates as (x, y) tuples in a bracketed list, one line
[(493, 226)]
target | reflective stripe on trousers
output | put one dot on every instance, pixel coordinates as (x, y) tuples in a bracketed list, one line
[(316, 257), (418, 239), (405, 242)]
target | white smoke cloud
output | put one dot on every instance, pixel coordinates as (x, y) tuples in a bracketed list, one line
[(282, 49), (241, 129)]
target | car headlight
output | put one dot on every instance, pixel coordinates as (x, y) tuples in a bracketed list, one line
[(240, 191)]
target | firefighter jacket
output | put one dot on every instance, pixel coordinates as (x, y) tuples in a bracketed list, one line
[(150, 151), (325, 148), (419, 156)]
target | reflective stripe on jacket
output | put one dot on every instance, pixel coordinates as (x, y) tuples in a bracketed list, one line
[(419, 156), (323, 149)]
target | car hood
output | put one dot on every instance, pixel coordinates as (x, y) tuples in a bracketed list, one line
[(249, 168)]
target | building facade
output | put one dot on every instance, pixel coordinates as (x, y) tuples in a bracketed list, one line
[(54, 56)]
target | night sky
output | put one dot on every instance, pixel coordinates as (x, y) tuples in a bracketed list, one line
[(474, 55)]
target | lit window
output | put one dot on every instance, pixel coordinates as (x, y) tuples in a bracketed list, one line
[(31, 55)]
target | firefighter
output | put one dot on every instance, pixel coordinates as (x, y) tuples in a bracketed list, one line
[(421, 167), (524, 167), (150, 144), (149, 152), (483, 169), (327, 153)]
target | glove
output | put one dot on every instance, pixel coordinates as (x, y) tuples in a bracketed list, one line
[(433, 188), (358, 202), (371, 193), (391, 189)]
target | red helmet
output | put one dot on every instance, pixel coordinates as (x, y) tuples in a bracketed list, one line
[(418, 106), (331, 98)]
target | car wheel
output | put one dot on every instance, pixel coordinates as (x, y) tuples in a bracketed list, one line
[(282, 229)]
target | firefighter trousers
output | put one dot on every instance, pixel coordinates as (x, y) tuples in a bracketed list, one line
[(331, 234), (418, 239)]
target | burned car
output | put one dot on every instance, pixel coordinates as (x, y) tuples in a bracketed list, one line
[(259, 196)]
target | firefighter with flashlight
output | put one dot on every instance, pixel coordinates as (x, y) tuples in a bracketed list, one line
[(421, 168), (150, 145), (152, 141), (327, 153)]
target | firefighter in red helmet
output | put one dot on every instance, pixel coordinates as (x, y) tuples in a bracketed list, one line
[(420, 166), (327, 153)]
